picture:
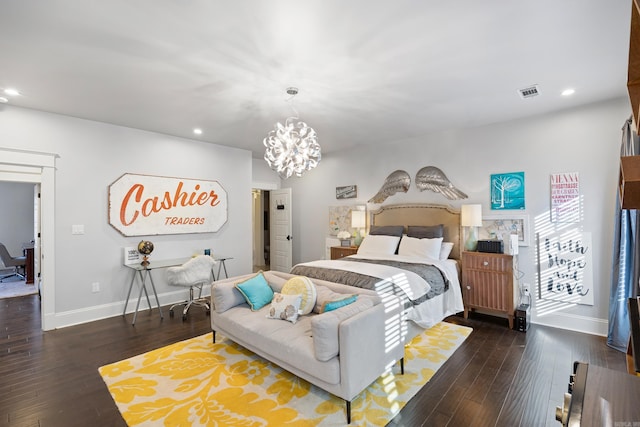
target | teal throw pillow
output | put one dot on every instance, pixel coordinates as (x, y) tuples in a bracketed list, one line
[(256, 291), (332, 305)]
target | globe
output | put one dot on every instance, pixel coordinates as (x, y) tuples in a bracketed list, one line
[(145, 247)]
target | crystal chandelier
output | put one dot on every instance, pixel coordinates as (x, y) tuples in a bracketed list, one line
[(292, 148)]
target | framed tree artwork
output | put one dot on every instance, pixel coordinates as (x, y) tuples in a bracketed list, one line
[(507, 191)]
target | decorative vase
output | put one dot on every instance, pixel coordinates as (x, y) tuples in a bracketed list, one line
[(358, 239), (471, 243)]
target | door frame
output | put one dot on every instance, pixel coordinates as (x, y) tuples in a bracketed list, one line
[(38, 168), (262, 186)]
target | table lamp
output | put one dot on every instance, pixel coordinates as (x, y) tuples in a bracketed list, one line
[(358, 221), (471, 217)]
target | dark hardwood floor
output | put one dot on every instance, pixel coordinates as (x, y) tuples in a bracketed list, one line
[(498, 377)]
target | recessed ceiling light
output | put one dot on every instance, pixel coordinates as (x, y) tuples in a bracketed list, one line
[(12, 92), (568, 92), (197, 131), (3, 100)]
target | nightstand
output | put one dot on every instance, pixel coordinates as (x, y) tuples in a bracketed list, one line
[(338, 252), (489, 283)]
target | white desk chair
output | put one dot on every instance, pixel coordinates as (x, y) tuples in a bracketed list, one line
[(194, 273)]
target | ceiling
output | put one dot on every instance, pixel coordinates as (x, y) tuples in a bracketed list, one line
[(368, 71)]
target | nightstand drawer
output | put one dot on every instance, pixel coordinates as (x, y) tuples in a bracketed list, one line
[(338, 252), (487, 262)]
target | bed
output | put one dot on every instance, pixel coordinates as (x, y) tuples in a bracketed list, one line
[(409, 265)]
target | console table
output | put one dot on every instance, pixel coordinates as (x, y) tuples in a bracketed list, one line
[(144, 272)]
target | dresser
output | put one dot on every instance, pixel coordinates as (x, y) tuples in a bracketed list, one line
[(489, 283), (338, 252), (598, 396)]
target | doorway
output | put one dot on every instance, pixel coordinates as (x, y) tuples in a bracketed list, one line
[(18, 233), (261, 230), (38, 168), (272, 239)]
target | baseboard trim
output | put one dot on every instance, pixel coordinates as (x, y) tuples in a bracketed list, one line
[(104, 311), (573, 322)]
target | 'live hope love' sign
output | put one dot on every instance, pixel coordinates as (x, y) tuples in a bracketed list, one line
[(565, 268)]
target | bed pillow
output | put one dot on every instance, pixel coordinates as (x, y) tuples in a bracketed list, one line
[(256, 291), (303, 286), (378, 245), (423, 248), (445, 250), (284, 307), (387, 230), (425, 232)]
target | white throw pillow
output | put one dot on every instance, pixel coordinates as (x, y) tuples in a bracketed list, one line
[(423, 248), (445, 250), (284, 307), (378, 245)]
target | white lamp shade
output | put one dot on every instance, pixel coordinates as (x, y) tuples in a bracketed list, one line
[(358, 219), (471, 216)]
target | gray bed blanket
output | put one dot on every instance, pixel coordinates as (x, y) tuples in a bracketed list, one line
[(431, 274)]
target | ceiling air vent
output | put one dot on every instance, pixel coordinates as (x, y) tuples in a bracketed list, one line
[(529, 92)]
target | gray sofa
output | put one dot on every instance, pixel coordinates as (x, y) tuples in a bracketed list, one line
[(341, 351)]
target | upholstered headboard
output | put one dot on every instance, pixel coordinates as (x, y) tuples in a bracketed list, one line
[(423, 214)]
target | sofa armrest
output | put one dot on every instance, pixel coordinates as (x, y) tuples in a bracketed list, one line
[(224, 294), (370, 343), (325, 328)]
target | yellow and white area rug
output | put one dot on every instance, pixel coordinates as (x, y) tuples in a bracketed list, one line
[(198, 383)]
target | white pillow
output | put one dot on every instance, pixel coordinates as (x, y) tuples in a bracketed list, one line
[(378, 245), (445, 250), (423, 248), (285, 307)]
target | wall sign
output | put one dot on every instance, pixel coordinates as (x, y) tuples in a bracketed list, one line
[(347, 192), (565, 197), (143, 205), (565, 268)]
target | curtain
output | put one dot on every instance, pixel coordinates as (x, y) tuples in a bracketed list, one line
[(626, 265)]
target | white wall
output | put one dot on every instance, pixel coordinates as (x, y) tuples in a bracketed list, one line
[(264, 178), (584, 140), (16, 216), (92, 156)]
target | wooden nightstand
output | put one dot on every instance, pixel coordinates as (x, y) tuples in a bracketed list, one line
[(338, 252), (488, 283)]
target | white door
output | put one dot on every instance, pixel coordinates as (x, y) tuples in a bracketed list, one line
[(280, 226)]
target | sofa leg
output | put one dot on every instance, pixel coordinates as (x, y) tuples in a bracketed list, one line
[(401, 365), (348, 411), (214, 337)]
